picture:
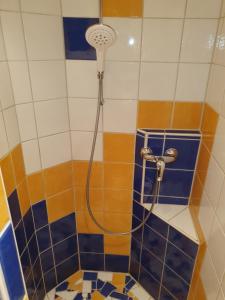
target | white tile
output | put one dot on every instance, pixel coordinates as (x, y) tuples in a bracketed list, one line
[(82, 78), (139, 292), (221, 296), (83, 114), (68, 295), (51, 116), (203, 8), (219, 143), (157, 81), (105, 276), (20, 81), (164, 8), (120, 116), (10, 5), (223, 284), (6, 92), (48, 79), (128, 40), (44, 37), (121, 80), (11, 125), (219, 54), (192, 82), (209, 278), (3, 138), (87, 287), (81, 145), (31, 156), (51, 7), (13, 35), (220, 210), (206, 215), (223, 9), (26, 121), (161, 40), (2, 46), (80, 8), (198, 40), (55, 149)]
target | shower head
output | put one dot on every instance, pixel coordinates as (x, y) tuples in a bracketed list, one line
[(101, 37)]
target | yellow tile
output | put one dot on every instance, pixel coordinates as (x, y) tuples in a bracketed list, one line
[(154, 114), (58, 178), (118, 176), (122, 8), (96, 199), (117, 222), (118, 279), (4, 216), (74, 287), (97, 296), (85, 223), (35, 187), (118, 201), (23, 196), (8, 174), (18, 163), (118, 147), (75, 277), (200, 293), (117, 244), (80, 174), (60, 205), (187, 115)]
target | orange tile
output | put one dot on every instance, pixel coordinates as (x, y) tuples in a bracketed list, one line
[(118, 201), (35, 187), (118, 147), (8, 174), (4, 216), (118, 176), (209, 125), (187, 115), (200, 292), (203, 163), (97, 296), (58, 178), (18, 163), (124, 8), (118, 279), (75, 277), (117, 222), (23, 197), (96, 199), (117, 244), (154, 114), (80, 174), (85, 223), (60, 205)]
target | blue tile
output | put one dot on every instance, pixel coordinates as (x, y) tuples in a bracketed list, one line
[(154, 243), (130, 284), (63, 228), (119, 296), (65, 249), (62, 287), (157, 224), (136, 196), (33, 249), (90, 276), (25, 262), (183, 242), (150, 179), (135, 249), (149, 283), (134, 268), (176, 183), (139, 144), (43, 238), (138, 233), (28, 224), (30, 285), (47, 261), (138, 210), (90, 261), (179, 262), (67, 268), (153, 265), (40, 214), (76, 45), (156, 146), (165, 295), (116, 263), (138, 178), (40, 290), (37, 272), (174, 284), (14, 208), (10, 264), (91, 243), (50, 280), (107, 289), (78, 297), (20, 237), (149, 199), (100, 284), (173, 200)]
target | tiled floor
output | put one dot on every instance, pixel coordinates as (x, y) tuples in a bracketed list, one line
[(97, 286)]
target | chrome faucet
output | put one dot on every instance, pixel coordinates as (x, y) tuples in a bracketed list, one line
[(160, 161)]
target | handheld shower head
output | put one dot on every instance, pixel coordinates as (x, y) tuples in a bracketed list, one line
[(101, 37)]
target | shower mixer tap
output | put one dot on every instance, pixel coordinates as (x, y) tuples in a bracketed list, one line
[(160, 161)]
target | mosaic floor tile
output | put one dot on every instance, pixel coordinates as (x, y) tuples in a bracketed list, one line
[(86, 285)]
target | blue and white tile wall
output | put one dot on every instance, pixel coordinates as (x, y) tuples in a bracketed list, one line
[(178, 176)]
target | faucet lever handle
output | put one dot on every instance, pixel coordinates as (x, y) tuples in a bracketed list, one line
[(160, 164)]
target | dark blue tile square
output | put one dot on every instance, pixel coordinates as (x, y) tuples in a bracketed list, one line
[(135, 249), (33, 249), (14, 208), (100, 284), (107, 289), (90, 261), (116, 263), (173, 200), (47, 261), (76, 45), (156, 145), (29, 281), (20, 237), (138, 233), (62, 287), (43, 238), (130, 284), (157, 224), (90, 276), (165, 295), (138, 210), (63, 228), (174, 284), (28, 224), (119, 296), (150, 178), (50, 280), (65, 249), (149, 283), (40, 214), (139, 144), (154, 242), (91, 243), (67, 268), (40, 290), (37, 272), (136, 196), (183, 242), (176, 183), (134, 268), (25, 262), (138, 178), (153, 265)]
